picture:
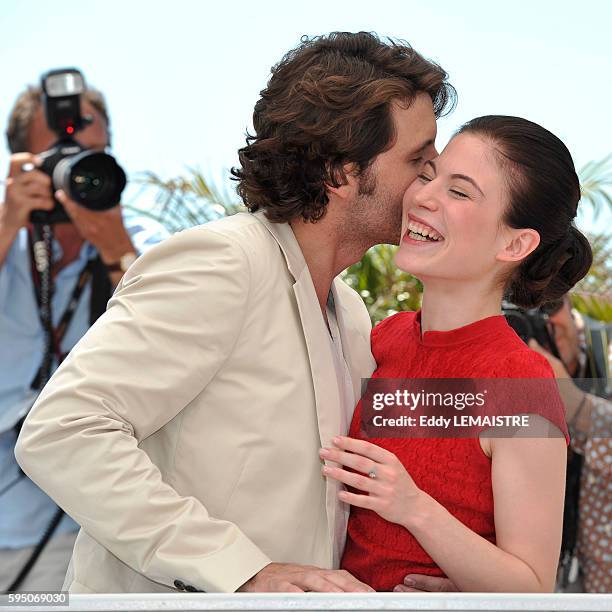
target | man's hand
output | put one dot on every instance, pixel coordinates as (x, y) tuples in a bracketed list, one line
[(104, 229), (292, 578), (419, 583), (25, 192)]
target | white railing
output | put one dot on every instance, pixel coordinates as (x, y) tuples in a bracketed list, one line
[(408, 602)]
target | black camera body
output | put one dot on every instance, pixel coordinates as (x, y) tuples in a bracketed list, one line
[(93, 179), (531, 323)]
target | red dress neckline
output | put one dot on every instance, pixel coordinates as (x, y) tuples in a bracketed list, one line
[(467, 333)]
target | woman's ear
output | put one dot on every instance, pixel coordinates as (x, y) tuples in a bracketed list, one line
[(518, 244)]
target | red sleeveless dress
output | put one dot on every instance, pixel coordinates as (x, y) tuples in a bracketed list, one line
[(454, 471)]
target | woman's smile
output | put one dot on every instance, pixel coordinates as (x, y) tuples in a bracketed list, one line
[(420, 233)]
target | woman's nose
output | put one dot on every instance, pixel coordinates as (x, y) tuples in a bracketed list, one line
[(426, 197)]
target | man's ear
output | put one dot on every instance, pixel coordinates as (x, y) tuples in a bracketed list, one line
[(346, 191), (518, 244)]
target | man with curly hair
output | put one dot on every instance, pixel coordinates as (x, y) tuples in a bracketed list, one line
[(183, 432)]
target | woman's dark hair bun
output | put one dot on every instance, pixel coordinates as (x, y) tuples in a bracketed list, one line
[(551, 270)]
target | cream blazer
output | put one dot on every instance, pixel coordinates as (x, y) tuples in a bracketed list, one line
[(182, 432)]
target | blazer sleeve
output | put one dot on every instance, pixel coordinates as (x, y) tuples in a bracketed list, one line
[(171, 324)]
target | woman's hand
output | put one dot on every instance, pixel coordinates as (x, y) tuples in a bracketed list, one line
[(391, 492), (420, 583)]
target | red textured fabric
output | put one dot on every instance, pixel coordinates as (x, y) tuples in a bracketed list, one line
[(454, 471)]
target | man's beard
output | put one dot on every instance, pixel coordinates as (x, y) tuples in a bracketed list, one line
[(377, 213)]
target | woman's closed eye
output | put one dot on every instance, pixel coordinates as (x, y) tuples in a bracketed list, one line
[(424, 178), (459, 194)]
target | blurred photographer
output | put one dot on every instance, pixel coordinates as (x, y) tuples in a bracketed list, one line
[(583, 373), (88, 250)]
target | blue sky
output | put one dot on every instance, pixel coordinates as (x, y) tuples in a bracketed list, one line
[(181, 77)]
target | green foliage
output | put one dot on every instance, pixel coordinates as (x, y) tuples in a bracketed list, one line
[(385, 289), (599, 279), (593, 294), (595, 306)]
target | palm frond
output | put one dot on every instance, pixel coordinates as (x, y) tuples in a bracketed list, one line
[(596, 306), (596, 184), (185, 200)]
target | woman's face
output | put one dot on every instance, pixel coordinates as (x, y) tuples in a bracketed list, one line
[(457, 201)]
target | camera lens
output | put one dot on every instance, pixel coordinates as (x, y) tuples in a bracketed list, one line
[(520, 324), (88, 183), (93, 179)]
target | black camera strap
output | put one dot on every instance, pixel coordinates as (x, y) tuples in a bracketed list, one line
[(41, 245), (569, 540)]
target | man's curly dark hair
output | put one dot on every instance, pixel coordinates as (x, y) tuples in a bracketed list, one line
[(328, 103)]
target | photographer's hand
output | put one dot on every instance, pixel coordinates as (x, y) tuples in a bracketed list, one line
[(574, 399), (104, 229), (25, 192), (556, 364)]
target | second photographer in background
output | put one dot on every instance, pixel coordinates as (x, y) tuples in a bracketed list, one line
[(583, 373), (90, 250)]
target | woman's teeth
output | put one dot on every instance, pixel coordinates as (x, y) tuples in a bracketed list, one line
[(418, 231)]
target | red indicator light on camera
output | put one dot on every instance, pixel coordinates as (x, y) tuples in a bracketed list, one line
[(70, 130)]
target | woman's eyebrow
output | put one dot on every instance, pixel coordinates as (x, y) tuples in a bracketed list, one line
[(469, 179), (464, 177)]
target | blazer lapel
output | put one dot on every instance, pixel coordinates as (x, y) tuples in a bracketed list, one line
[(320, 357), (315, 331), (357, 352)]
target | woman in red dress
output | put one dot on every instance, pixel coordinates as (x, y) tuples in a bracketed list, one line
[(491, 216)]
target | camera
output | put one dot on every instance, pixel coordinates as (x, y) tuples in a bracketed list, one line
[(93, 179), (533, 323)]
